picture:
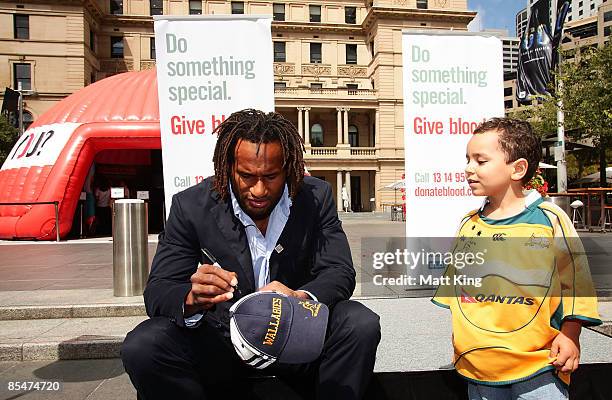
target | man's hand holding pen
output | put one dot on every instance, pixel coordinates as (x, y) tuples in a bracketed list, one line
[(210, 285)]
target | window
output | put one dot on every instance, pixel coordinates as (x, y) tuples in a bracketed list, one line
[(116, 47), (21, 26), (279, 52), (353, 136), (352, 88), (279, 11), (592, 6), (157, 7), (608, 16), (27, 120), (116, 7), (280, 85), (422, 4), (316, 135), (580, 12), (508, 104), (372, 48), (152, 48), (508, 91), (92, 40), (237, 7), (351, 54), (580, 4), (316, 86), (350, 15), (92, 78), (607, 30), (195, 7), (315, 13), (315, 53), (22, 74)]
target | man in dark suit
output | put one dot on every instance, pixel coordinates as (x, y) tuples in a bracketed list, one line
[(269, 228)]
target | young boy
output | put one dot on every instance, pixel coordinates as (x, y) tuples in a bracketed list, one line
[(516, 333)]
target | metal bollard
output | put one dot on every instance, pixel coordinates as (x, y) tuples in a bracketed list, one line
[(130, 247)]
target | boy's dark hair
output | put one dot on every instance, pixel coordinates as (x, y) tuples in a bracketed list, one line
[(258, 127), (517, 140)]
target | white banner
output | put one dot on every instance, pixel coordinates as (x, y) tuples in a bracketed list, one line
[(452, 82), (40, 146), (207, 68)]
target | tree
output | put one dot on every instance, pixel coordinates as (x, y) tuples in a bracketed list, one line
[(8, 136), (586, 95)]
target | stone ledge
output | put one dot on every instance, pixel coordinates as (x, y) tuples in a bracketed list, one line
[(80, 348), (69, 311)]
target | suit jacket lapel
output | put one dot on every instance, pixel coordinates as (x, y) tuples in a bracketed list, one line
[(233, 231), (291, 232)]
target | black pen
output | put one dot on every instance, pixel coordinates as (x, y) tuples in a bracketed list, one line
[(212, 258)]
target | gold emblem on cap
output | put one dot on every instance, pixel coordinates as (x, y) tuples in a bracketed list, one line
[(313, 308)]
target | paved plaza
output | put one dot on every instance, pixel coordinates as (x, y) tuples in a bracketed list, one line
[(60, 322)]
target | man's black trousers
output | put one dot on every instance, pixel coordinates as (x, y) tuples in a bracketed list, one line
[(165, 361)]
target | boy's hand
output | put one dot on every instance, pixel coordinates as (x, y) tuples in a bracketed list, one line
[(566, 347)]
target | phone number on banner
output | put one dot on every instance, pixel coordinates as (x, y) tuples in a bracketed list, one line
[(439, 177)]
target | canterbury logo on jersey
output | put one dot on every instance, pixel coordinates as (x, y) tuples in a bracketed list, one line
[(499, 237), (494, 298)]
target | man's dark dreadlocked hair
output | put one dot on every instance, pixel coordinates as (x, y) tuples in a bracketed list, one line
[(258, 127)]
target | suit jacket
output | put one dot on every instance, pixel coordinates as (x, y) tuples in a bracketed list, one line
[(316, 256)]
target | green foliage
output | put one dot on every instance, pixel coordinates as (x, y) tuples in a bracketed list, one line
[(586, 94), (8, 136), (543, 116)]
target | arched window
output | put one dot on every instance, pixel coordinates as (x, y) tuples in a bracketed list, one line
[(316, 135), (353, 136), (27, 119)]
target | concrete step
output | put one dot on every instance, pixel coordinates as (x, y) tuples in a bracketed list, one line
[(415, 337), (72, 303), (71, 311), (90, 303), (64, 339)]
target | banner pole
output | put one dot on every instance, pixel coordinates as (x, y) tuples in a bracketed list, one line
[(561, 164), (560, 148)]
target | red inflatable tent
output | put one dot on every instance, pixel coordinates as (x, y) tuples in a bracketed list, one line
[(51, 160)]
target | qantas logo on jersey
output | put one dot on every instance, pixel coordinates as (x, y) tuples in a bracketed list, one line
[(495, 298), (466, 298)]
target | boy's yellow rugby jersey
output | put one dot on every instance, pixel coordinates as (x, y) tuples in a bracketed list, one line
[(534, 274)]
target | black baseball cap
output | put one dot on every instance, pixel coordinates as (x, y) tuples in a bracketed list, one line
[(266, 327)]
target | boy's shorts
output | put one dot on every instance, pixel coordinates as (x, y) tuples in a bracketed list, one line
[(544, 386)]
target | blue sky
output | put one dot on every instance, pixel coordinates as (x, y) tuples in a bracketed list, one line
[(498, 14)]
